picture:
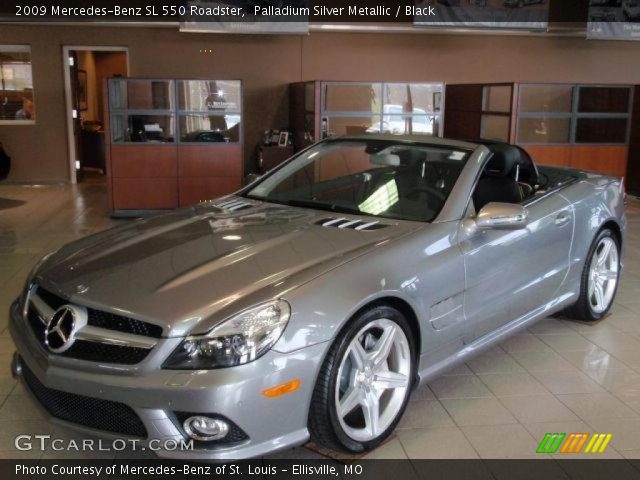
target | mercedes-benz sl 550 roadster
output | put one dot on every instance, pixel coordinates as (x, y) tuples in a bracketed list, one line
[(310, 303)]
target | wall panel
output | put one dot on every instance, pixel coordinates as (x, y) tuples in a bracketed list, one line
[(267, 64)]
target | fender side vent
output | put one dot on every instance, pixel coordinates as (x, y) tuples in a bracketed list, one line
[(233, 205), (350, 224)]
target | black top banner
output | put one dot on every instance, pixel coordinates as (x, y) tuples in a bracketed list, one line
[(424, 12), (614, 19)]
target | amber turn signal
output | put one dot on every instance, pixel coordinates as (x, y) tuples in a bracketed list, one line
[(282, 389)]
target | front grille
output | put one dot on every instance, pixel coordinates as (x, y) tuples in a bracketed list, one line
[(51, 299), (114, 417), (105, 352), (38, 327), (95, 351), (110, 321)]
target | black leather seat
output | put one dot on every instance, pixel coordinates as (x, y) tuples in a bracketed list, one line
[(498, 183)]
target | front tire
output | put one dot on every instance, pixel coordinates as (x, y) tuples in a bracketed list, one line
[(599, 280), (364, 383)]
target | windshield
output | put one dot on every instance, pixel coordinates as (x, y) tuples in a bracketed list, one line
[(382, 178)]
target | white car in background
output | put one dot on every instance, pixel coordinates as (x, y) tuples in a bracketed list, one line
[(394, 122)]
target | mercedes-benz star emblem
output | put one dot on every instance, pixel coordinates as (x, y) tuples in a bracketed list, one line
[(58, 336)]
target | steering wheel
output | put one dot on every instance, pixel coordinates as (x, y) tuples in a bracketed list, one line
[(429, 191)]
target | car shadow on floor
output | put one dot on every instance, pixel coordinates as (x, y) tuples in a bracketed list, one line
[(7, 203)]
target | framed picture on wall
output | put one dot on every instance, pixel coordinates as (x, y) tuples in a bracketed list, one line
[(81, 90), (284, 139)]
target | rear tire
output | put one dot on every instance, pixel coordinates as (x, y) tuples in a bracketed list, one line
[(364, 383), (599, 280)]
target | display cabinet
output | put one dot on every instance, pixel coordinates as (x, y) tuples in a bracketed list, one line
[(580, 126), (633, 166), (322, 109), (172, 142)]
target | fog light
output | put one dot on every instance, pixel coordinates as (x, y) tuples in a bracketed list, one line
[(205, 429)]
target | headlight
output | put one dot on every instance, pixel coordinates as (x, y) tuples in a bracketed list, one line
[(241, 339)]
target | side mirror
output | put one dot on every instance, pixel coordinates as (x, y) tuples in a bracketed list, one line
[(503, 216)]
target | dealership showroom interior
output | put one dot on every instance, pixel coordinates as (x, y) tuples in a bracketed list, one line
[(368, 233)]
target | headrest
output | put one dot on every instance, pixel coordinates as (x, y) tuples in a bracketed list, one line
[(503, 160)]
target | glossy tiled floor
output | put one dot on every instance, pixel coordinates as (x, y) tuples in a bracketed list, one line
[(557, 376)]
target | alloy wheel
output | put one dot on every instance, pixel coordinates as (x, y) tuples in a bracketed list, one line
[(373, 380), (603, 275)]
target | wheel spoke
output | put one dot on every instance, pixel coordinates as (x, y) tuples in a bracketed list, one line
[(358, 355), (383, 346), (598, 293), (604, 254), (609, 275), (371, 411), (592, 286), (389, 379), (351, 399)]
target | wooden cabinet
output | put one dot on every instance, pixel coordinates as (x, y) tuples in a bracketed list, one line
[(206, 172), (272, 156), (578, 126), (172, 143), (633, 163)]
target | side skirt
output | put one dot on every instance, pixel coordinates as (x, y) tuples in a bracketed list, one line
[(484, 343)]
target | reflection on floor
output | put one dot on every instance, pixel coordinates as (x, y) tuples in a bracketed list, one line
[(559, 376)]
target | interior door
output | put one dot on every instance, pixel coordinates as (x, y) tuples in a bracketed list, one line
[(512, 272), (75, 100)]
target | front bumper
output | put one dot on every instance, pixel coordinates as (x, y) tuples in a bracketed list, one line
[(271, 424)]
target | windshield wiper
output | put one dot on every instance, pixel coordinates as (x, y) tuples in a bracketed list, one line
[(322, 206)]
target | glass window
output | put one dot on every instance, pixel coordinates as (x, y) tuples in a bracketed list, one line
[(221, 99), (601, 130), (190, 111), (417, 124), (546, 98), (497, 98), (407, 97), (604, 100), (495, 127), (210, 128), (380, 178), (209, 95), (142, 128), (133, 94), (544, 129), (17, 104), (398, 108), (352, 97), (574, 114), (353, 125), (310, 96)]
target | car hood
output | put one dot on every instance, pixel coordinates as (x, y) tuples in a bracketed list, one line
[(192, 268)]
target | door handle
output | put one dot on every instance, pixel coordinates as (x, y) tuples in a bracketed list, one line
[(562, 219)]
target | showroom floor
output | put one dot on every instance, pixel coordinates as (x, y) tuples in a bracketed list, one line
[(559, 376)]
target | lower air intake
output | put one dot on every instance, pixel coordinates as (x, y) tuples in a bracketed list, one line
[(114, 417)]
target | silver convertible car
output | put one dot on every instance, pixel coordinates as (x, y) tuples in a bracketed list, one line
[(310, 303)]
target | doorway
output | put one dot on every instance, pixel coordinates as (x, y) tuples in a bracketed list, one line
[(85, 71)]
